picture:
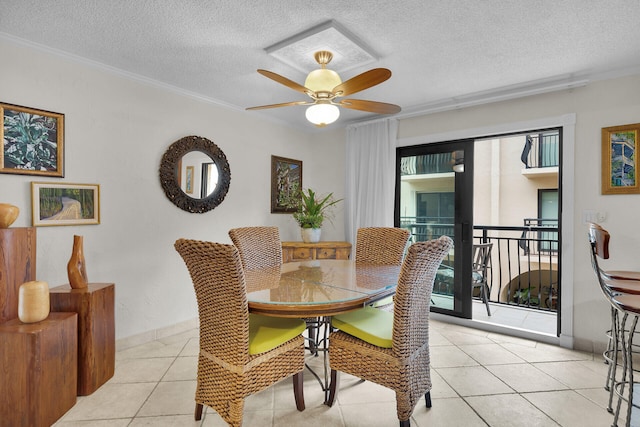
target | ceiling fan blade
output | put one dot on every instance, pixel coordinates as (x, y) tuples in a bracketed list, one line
[(283, 104), (285, 81), (371, 106), (362, 81)]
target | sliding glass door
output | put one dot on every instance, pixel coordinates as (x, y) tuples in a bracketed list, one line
[(434, 197)]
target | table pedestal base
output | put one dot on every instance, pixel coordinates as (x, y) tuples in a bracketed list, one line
[(319, 330)]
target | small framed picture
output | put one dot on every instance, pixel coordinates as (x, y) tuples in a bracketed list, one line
[(65, 204), (189, 184), (619, 160), (286, 182), (32, 141)]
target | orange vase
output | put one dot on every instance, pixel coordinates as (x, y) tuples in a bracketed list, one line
[(76, 268)]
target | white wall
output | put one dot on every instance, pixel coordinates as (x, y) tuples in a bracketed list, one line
[(116, 131), (600, 104)]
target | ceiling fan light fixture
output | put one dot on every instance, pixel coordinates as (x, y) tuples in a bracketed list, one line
[(322, 80), (323, 86), (322, 114)]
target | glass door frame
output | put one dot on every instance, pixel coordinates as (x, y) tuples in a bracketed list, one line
[(463, 218)]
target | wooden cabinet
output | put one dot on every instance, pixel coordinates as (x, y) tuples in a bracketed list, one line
[(38, 360), (96, 331), (17, 265), (300, 251)]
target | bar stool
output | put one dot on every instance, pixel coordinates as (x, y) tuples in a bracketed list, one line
[(611, 285), (620, 289), (623, 305), (627, 305), (602, 237)]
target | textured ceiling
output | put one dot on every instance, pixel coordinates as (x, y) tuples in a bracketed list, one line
[(440, 52)]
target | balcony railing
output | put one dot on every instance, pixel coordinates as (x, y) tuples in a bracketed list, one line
[(541, 150), (523, 267), (426, 228)]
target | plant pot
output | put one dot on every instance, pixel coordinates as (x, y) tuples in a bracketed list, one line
[(310, 235), (8, 214)]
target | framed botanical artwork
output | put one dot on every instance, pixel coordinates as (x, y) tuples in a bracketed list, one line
[(65, 204), (619, 159), (189, 181), (286, 182), (32, 141)]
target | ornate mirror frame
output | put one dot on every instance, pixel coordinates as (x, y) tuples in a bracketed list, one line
[(169, 179)]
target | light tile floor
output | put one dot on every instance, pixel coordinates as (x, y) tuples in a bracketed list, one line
[(479, 379), (507, 316), (518, 318)]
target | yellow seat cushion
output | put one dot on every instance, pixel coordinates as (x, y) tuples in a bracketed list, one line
[(369, 324), (382, 302), (267, 333)]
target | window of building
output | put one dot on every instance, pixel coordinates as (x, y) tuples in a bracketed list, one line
[(548, 217), (438, 208)]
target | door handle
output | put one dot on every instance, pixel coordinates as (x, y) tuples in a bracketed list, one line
[(464, 231)]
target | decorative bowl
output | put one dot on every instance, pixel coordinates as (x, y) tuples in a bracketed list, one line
[(8, 214)]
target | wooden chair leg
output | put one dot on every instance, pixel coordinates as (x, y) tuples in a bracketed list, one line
[(298, 390), (333, 388), (198, 413), (427, 399)]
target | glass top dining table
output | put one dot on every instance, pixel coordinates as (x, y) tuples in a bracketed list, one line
[(318, 288)]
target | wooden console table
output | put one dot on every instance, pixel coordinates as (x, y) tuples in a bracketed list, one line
[(38, 381), (300, 251), (96, 331)]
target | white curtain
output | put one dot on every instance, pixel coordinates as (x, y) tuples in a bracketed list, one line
[(370, 175)]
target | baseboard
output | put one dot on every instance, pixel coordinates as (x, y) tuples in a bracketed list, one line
[(145, 337), (499, 329)]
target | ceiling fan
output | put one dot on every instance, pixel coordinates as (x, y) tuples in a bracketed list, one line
[(324, 86)]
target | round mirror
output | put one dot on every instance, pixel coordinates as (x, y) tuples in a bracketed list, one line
[(195, 174)]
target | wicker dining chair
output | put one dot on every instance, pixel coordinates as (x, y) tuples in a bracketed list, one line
[(392, 349), (240, 353), (381, 245), (259, 247)]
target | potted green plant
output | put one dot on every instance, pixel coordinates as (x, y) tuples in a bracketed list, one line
[(311, 211), (525, 297)]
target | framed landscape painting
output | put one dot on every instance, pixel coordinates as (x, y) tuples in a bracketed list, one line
[(619, 159), (286, 182), (32, 141), (65, 204)]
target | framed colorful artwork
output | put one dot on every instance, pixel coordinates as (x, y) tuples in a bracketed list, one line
[(286, 182), (619, 159), (32, 141), (189, 181), (65, 204)]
